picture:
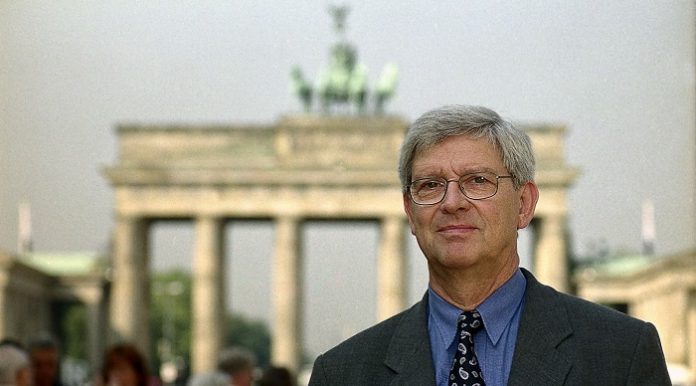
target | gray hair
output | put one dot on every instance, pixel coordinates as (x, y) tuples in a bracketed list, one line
[(12, 360), (433, 127), (214, 378), (234, 359)]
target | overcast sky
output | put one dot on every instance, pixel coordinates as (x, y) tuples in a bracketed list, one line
[(619, 75)]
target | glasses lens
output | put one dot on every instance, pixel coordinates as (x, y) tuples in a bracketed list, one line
[(475, 186), (478, 186), (427, 190)]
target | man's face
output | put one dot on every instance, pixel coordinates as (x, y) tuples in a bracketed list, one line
[(459, 233)]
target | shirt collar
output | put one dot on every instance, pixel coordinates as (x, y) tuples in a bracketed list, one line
[(497, 310)]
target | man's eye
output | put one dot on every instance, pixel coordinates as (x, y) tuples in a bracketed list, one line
[(423, 186), (431, 185)]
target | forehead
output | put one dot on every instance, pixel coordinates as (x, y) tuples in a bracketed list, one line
[(461, 153)]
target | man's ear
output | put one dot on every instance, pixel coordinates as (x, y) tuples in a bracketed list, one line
[(529, 195), (408, 208)]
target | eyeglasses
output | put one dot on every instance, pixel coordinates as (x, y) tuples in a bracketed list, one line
[(475, 186)]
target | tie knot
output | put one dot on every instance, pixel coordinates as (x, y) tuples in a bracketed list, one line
[(470, 321)]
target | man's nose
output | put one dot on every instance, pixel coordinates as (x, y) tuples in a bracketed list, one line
[(454, 198)]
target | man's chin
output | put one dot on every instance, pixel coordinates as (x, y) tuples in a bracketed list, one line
[(455, 261)]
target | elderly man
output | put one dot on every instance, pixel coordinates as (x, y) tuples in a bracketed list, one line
[(15, 369), (468, 187)]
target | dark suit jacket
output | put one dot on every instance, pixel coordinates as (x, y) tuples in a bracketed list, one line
[(562, 340)]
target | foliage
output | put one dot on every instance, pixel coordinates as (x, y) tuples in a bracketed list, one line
[(250, 334), (73, 327), (170, 317), (170, 322)]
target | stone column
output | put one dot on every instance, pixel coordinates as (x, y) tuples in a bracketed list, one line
[(287, 290), (691, 333), (130, 290), (208, 294), (550, 261), (94, 301), (95, 324), (391, 268), (4, 300)]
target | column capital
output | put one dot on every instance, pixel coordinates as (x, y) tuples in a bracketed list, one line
[(128, 217)]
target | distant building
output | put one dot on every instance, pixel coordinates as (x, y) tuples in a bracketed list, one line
[(38, 289), (661, 290)]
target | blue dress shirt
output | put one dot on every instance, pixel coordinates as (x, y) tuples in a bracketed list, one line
[(494, 349)]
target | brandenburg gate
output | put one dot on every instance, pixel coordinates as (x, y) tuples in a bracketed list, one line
[(303, 167)]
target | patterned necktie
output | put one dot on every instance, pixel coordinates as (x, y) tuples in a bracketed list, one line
[(465, 367)]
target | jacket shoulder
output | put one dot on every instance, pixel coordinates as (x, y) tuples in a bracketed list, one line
[(372, 340), (584, 313), (589, 337), (364, 358), (542, 299)]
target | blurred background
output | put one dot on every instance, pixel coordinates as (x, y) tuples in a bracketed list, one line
[(619, 75)]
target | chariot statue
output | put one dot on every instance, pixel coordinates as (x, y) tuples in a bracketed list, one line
[(344, 84)]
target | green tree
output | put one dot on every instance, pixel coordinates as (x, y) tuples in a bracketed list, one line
[(250, 334), (72, 331), (170, 317), (170, 322)]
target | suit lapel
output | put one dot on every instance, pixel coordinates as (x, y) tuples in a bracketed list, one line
[(543, 326), (409, 354)]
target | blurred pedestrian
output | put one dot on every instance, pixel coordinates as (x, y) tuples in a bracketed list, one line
[(276, 376), (124, 365), (15, 369), (212, 378), (239, 363), (44, 355)]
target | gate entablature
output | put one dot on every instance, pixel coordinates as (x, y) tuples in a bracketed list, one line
[(302, 145)]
